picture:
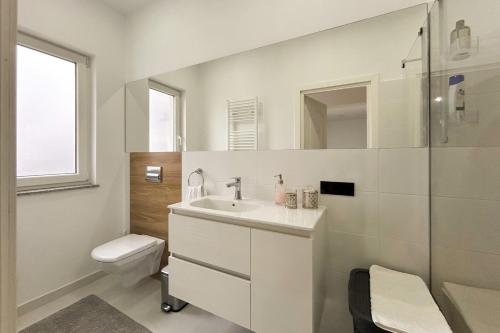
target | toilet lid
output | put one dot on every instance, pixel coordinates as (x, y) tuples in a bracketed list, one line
[(122, 247)]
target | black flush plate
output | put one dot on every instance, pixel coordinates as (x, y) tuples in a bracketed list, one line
[(337, 188)]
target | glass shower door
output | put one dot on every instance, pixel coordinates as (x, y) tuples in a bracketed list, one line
[(465, 162)]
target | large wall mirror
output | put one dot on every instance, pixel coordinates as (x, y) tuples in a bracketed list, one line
[(355, 86)]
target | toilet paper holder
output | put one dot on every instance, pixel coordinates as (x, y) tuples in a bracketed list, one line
[(153, 174)]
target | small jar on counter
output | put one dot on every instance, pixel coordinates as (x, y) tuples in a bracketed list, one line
[(310, 198), (291, 199)]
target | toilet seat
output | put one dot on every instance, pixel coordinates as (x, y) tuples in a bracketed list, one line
[(131, 257), (122, 248)]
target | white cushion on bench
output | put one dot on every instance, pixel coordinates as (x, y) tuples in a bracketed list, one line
[(402, 303)]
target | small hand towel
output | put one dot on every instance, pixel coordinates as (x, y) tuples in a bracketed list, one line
[(196, 192)]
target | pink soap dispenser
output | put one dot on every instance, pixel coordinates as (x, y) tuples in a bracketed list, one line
[(279, 191)]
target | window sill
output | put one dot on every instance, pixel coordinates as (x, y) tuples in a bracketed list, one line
[(31, 191)]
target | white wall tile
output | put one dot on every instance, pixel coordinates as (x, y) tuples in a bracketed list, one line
[(400, 101), (466, 224), (406, 257), (357, 237), (219, 167), (349, 251), (404, 217), (222, 165), (271, 163), (466, 172), (265, 192), (336, 316), (248, 188), (465, 267), (355, 215), (481, 82), (308, 167), (404, 171), (349, 165)]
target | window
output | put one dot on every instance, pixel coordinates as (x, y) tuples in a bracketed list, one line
[(53, 116), (164, 132)]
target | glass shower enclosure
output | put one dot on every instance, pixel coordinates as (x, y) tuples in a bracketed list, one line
[(464, 140)]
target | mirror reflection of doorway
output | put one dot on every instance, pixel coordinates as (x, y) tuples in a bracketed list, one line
[(335, 118)]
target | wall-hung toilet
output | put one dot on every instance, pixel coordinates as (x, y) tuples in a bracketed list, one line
[(132, 257)]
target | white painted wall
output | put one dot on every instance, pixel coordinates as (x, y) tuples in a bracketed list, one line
[(313, 123), (346, 133), (56, 232), (171, 34), (385, 223)]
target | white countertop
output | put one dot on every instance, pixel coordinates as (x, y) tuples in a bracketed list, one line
[(267, 214)]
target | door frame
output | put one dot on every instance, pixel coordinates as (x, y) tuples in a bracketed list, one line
[(8, 39), (371, 82)]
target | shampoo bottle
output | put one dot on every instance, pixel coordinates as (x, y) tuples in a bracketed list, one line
[(279, 191), (456, 98)]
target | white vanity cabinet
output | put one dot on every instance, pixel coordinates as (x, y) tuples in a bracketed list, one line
[(266, 277)]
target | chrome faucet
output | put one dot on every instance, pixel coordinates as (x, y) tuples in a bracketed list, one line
[(237, 187)]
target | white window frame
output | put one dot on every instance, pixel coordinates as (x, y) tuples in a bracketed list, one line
[(178, 139), (83, 117)]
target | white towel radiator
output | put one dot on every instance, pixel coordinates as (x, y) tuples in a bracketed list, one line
[(242, 124)]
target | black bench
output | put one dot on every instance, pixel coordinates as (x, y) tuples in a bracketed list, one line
[(359, 302)]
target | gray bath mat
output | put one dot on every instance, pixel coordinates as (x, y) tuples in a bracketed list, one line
[(90, 314)]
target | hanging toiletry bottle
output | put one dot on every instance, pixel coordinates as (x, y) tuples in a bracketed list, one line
[(456, 98), (460, 41), (279, 191)]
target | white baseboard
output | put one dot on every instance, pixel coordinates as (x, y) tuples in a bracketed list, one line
[(54, 294)]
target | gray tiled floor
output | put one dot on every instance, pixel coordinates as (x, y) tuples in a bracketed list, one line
[(141, 303)]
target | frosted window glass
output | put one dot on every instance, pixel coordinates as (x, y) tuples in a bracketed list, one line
[(46, 114), (161, 121)]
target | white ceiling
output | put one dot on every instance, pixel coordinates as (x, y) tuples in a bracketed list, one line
[(127, 6), (343, 103)]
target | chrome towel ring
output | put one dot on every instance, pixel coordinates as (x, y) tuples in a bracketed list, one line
[(199, 172)]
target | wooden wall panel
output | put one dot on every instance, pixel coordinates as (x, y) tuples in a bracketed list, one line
[(149, 201)]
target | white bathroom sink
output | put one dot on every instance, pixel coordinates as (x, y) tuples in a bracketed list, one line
[(250, 212), (224, 205)]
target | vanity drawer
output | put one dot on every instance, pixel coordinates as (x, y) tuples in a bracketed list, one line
[(219, 244), (222, 294)]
